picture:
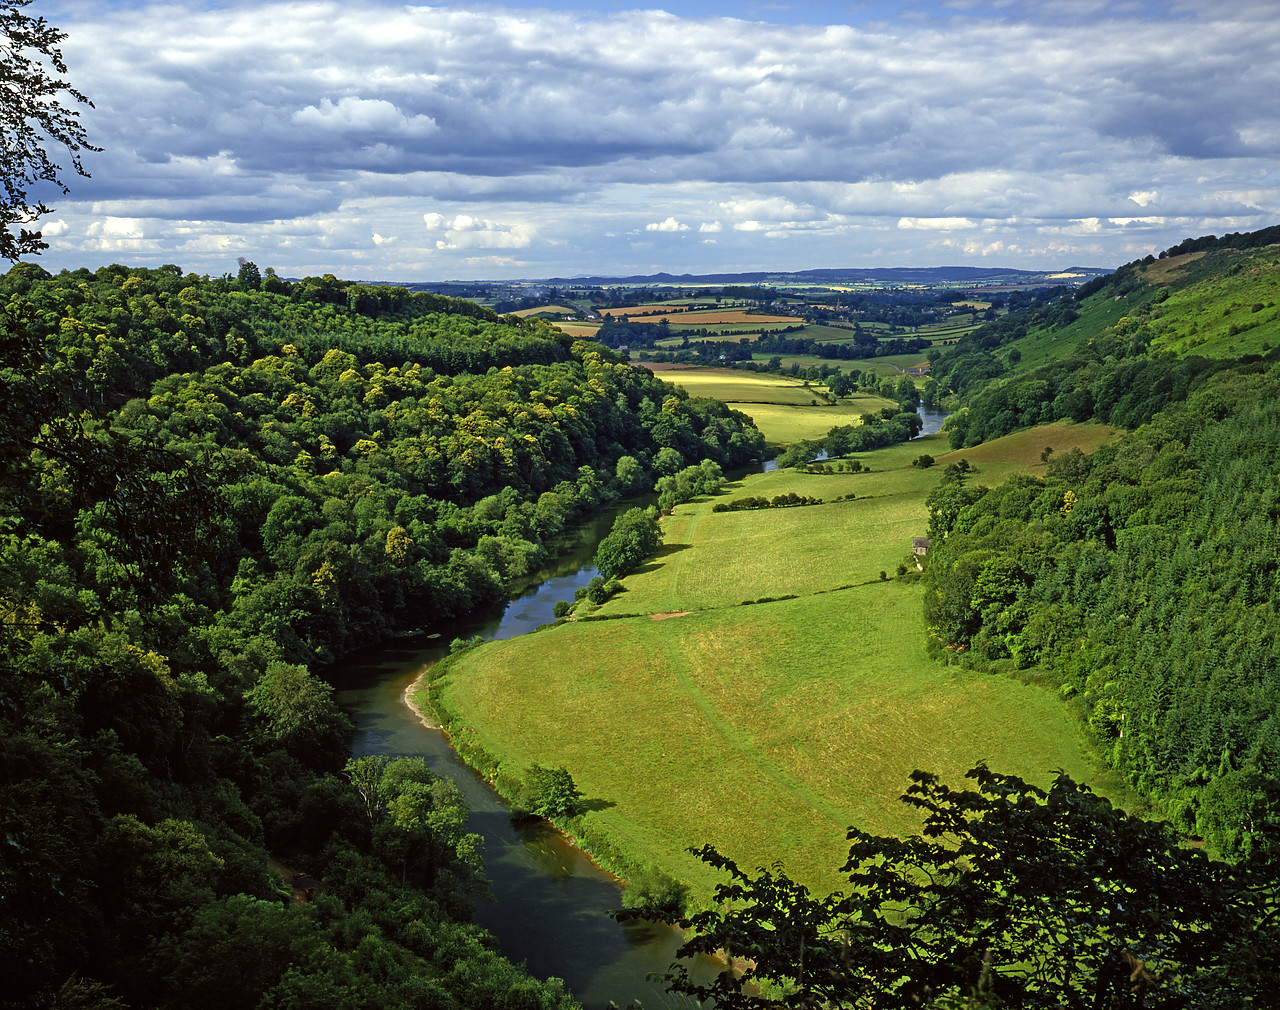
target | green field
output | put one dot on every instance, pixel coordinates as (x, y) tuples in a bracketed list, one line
[(766, 728), (889, 365)]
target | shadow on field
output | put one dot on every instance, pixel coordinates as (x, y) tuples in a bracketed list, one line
[(666, 551), (591, 806)]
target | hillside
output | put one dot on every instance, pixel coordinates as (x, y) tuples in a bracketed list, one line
[(1140, 579)]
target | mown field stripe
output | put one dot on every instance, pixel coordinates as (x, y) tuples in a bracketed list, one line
[(741, 740)]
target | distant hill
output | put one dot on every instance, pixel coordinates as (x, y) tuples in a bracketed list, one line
[(964, 278), (953, 276)]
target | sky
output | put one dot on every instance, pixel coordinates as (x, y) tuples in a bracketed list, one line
[(385, 141)]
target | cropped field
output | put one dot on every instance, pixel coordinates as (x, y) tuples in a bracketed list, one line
[(767, 728), (584, 331), (713, 317), (739, 387)]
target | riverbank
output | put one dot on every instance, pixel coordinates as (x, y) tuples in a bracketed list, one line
[(417, 701)]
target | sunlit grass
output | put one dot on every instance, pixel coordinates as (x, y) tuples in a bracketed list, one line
[(768, 728)]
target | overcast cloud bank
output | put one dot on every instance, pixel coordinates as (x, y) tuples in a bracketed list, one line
[(379, 140)]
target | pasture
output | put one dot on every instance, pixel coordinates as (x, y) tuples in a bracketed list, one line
[(692, 719)]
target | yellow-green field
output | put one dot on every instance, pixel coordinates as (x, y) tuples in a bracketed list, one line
[(583, 331), (783, 409), (767, 728), (892, 365)]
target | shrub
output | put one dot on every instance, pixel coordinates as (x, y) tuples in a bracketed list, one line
[(550, 792)]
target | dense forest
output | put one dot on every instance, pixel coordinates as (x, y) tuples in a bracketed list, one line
[(209, 487), (1140, 581)]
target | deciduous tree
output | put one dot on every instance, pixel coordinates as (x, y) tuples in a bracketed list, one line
[(1010, 896)]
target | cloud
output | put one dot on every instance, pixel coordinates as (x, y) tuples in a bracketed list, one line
[(467, 232), (934, 223), (557, 131), (363, 116)]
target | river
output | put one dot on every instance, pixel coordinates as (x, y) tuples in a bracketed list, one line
[(550, 901)]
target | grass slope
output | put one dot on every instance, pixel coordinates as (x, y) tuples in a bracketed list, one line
[(766, 729), (1219, 305)]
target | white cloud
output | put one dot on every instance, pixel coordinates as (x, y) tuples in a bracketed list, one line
[(1143, 197), (670, 224), (467, 232), (934, 223), (362, 115), (709, 226)]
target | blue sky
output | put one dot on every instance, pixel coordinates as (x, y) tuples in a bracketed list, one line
[(388, 141)]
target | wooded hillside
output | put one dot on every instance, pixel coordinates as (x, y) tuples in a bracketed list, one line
[(208, 487), (1142, 579)]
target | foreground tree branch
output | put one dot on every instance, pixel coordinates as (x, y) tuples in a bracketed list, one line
[(34, 117)]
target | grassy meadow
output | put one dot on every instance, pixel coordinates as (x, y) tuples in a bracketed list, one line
[(883, 367), (767, 728)]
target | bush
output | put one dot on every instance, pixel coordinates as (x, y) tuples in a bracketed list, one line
[(550, 793), (652, 890)]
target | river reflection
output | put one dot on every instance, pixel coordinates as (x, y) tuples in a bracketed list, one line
[(550, 902)]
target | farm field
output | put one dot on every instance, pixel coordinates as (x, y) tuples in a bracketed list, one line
[(719, 317), (878, 366), (584, 331), (683, 722), (783, 409)]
